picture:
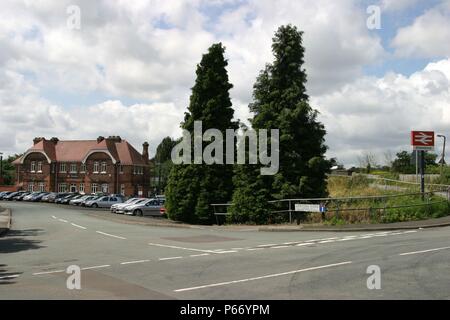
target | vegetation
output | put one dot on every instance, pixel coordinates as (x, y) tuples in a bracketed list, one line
[(192, 188), (9, 170), (162, 164), (281, 102)]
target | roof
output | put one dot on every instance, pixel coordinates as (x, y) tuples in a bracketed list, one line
[(79, 150)]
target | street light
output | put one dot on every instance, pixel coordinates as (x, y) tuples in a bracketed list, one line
[(1, 167), (442, 161)]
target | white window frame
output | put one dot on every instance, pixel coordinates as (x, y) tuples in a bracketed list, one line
[(81, 188), (62, 187), (103, 167), (62, 168), (73, 187), (33, 166), (41, 186), (83, 168), (73, 168), (39, 166), (122, 189), (105, 188), (94, 187), (31, 187), (96, 167)]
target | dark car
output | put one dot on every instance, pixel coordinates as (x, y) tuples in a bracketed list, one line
[(56, 196), (38, 197), (4, 194), (66, 200), (20, 196), (46, 197)]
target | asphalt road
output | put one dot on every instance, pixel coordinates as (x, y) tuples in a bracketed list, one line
[(127, 261)]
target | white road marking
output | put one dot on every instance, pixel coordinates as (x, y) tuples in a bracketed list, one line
[(254, 249), (423, 251), (268, 245), (169, 258), (199, 255), (365, 237), (280, 247), (303, 244), (181, 248), (326, 241), (263, 277), (237, 248), (10, 277), (410, 231), (111, 235), (136, 261), (78, 226), (227, 251), (53, 217), (62, 220), (48, 272), (97, 267)]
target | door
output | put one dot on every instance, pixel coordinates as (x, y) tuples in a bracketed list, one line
[(152, 208)]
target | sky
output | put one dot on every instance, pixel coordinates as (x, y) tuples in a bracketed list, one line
[(129, 67)]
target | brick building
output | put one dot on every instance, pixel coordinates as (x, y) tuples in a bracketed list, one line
[(109, 165)]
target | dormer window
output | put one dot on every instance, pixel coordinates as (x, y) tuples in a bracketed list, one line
[(33, 166)]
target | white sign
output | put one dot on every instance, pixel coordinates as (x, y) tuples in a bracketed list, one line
[(307, 207)]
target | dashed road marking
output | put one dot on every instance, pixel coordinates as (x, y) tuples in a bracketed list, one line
[(110, 235), (48, 272), (135, 261), (181, 248), (263, 277), (280, 247), (10, 276), (169, 258), (226, 251), (62, 220), (199, 255), (423, 251), (78, 226), (97, 267)]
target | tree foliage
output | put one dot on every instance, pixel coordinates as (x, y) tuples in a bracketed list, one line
[(280, 102), (192, 188)]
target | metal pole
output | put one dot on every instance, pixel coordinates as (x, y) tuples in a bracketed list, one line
[(422, 173), (1, 167), (417, 166)]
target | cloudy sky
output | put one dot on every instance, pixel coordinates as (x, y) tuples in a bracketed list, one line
[(128, 70)]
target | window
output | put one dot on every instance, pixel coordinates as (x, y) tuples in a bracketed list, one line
[(81, 187), (138, 170), (31, 187), (41, 186), (83, 167), (122, 189), (62, 168), (33, 166), (73, 168), (39, 166), (95, 167), (105, 188), (103, 167), (94, 188), (73, 187), (62, 187)]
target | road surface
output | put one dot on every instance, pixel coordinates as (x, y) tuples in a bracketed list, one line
[(127, 261)]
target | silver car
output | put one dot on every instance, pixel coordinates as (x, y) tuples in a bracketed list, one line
[(104, 202), (150, 207), (119, 206)]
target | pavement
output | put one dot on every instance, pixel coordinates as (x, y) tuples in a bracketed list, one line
[(134, 261)]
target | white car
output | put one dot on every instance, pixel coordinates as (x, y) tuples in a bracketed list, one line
[(104, 202), (122, 209), (150, 207), (77, 201)]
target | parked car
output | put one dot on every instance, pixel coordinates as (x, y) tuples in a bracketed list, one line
[(76, 201), (38, 197), (150, 207), (68, 196), (10, 196), (29, 196), (163, 211), (121, 210), (104, 202), (21, 196), (67, 199), (4, 194), (47, 197), (90, 198), (59, 196), (119, 206)]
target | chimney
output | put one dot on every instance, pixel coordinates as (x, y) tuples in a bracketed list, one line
[(100, 139), (38, 139), (145, 151), (54, 140), (115, 138)]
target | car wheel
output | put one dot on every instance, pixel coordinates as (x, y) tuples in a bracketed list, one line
[(95, 205), (138, 213)]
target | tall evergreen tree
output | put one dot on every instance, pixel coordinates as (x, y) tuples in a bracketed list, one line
[(280, 102), (192, 188)]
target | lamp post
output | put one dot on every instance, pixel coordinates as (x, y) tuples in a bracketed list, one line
[(442, 161)]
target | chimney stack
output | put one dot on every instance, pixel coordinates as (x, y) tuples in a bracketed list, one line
[(54, 140), (145, 151), (100, 139), (38, 139)]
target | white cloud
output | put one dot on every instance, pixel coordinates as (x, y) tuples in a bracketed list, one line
[(397, 5), (428, 36)]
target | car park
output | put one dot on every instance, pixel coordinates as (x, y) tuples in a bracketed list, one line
[(76, 201), (118, 207), (37, 197), (10, 196), (68, 196), (150, 207), (21, 196), (29, 195), (67, 199), (4, 194), (90, 198), (47, 197)]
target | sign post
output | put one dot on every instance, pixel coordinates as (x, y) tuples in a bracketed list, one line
[(422, 141)]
